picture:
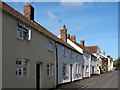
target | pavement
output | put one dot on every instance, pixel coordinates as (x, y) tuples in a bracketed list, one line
[(106, 80)]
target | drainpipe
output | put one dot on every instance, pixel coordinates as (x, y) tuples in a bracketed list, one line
[(56, 63)]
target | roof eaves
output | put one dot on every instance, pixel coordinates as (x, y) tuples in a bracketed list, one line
[(34, 24)]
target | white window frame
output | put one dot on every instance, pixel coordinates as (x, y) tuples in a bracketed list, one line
[(71, 54), (49, 69), (64, 69), (20, 67), (50, 45), (77, 69), (87, 68), (64, 51), (65, 72), (23, 29), (77, 57)]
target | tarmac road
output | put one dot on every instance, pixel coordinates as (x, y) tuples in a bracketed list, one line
[(107, 80)]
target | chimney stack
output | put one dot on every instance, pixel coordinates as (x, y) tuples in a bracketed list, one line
[(82, 42), (29, 11), (63, 33), (104, 53), (68, 36), (108, 56), (73, 38)]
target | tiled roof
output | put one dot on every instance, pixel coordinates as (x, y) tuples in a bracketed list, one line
[(92, 49), (82, 47), (34, 24)]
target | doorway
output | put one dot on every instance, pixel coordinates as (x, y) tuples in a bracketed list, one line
[(82, 71), (38, 76), (71, 72), (93, 70)]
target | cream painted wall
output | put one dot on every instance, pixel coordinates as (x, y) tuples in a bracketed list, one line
[(35, 50), (0, 45)]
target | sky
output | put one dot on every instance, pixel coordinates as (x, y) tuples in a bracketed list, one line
[(94, 22)]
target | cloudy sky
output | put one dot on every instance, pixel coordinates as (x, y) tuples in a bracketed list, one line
[(94, 22)]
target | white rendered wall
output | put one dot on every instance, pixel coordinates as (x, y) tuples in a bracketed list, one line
[(87, 58), (68, 61)]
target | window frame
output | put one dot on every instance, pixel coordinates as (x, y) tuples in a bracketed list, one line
[(49, 69), (50, 45), (87, 68), (71, 54), (64, 51), (24, 29), (20, 67)]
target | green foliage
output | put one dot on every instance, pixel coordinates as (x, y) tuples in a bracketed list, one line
[(117, 63)]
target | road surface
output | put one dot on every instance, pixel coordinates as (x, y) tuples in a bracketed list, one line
[(107, 80)]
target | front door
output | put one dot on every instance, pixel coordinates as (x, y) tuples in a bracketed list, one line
[(92, 69), (83, 71), (38, 72), (71, 72)]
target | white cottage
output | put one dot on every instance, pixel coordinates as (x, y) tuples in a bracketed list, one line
[(70, 61), (95, 50), (110, 63), (80, 48), (86, 54), (93, 64)]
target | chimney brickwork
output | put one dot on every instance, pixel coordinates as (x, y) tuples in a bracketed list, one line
[(63, 34), (29, 11), (104, 53), (73, 38), (68, 36), (82, 42)]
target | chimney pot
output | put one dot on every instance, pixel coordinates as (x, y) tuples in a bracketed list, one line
[(29, 11), (82, 42), (73, 38), (68, 36)]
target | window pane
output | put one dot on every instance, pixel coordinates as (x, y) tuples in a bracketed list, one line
[(20, 62), (25, 35), (24, 71), (16, 71), (19, 25), (20, 72), (17, 62), (20, 33)]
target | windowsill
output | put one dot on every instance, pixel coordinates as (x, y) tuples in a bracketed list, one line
[(22, 76), (50, 50), (23, 40)]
